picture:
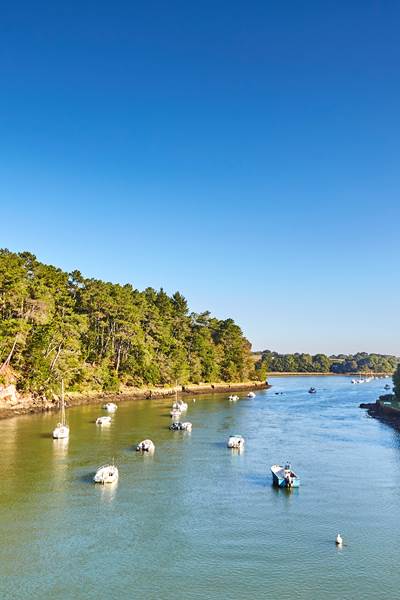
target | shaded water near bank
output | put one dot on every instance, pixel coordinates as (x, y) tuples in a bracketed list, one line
[(197, 520)]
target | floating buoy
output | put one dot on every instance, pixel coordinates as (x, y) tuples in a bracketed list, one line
[(339, 540), (194, 400)]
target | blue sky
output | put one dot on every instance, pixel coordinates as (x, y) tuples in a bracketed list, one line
[(246, 154)]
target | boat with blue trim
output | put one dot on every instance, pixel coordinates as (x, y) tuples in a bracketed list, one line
[(284, 476)]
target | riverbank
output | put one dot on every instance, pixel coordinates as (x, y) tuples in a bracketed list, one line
[(12, 404)]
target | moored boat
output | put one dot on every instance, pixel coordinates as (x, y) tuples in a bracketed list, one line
[(61, 431), (106, 474), (177, 426), (284, 476), (235, 441), (312, 390), (145, 446), (233, 398), (110, 407), (103, 421), (175, 413), (180, 405), (251, 395)]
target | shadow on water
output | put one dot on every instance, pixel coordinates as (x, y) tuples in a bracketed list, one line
[(285, 491), (258, 480), (87, 478), (219, 444)]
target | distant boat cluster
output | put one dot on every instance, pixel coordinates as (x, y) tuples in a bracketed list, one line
[(368, 379)]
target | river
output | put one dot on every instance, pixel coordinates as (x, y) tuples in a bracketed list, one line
[(196, 520)]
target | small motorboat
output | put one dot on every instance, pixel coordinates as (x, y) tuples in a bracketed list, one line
[(284, 476), (110, 407), (178, 426), (312, 390), (233, 398), (387, 387), (251, 395), (145, 446), (236, 441), (353, 381), (106, 474), (103, 421)]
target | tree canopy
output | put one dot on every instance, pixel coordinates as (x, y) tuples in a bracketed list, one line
[(321, 363), (98, 335)]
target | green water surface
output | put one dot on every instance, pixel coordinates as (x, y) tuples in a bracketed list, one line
[(196, 520)]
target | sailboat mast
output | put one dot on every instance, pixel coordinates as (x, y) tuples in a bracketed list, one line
[(62, 403)]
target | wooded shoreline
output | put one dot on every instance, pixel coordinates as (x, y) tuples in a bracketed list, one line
[(30, 405)]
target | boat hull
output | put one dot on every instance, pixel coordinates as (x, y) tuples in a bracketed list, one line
[(284, 478), (282, 483)]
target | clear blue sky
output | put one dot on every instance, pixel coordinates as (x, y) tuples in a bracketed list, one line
[(245, 153)]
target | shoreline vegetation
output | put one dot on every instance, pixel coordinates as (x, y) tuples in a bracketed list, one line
[(102, 338), (388, 405), (361, 363)]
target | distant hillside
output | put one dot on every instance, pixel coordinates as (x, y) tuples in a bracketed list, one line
[(270, 362)]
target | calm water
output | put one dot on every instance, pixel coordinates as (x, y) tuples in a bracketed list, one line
[(198, 521)]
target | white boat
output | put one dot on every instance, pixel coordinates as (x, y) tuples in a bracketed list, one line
[(284, 476), (110, 407), (251, 395), (103, 421), (235, 441), (233, 398), (177, 426), (175, 413), (145, 446), (61, 431), (106, 474), (353, 381), (180, 405)]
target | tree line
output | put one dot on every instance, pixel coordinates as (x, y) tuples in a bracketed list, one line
[(98, 335), (269, 361)]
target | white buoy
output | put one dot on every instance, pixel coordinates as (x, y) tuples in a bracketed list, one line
[(194, 399), (339, 540)]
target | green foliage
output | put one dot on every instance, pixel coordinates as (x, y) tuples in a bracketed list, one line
[(396, 382), (320, 363), (98, 335)]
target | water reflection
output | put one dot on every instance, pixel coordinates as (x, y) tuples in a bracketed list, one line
[(108, 492), (60, 448)]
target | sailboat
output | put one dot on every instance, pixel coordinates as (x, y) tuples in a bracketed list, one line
[(178, 405), (62, 430)]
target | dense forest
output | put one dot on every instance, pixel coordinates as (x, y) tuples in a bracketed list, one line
[(268, 361), (98, 335), (396, 381)]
